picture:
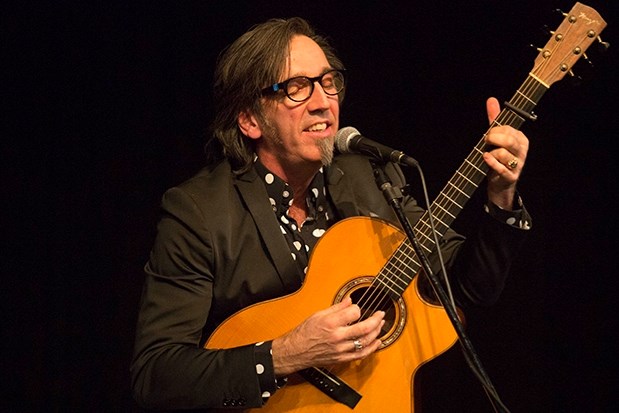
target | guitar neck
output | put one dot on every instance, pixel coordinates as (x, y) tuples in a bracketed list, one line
[(580, 27), (460, 188), (457, 192)]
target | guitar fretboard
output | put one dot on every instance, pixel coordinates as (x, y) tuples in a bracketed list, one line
[(401, 268)]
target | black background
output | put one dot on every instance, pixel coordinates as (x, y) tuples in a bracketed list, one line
[(107, 105)]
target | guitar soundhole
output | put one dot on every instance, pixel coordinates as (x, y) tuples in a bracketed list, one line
[(370, 299)]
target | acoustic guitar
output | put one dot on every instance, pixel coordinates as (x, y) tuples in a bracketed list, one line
[(375, 265)]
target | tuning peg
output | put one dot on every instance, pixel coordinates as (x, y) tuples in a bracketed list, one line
[(545, 29), (561, 12), (575, 80), (586, 59), (546, 53), (603, 46)]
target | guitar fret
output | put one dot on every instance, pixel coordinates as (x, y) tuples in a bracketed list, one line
[(465, 177), (384, 284), (446, 211), (403, 262), (453, 202), (458, 189), (473, 165), (441, 221), (428, 229), (425, 238), (524, 96)]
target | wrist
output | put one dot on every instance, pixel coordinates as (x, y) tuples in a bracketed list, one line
[(503, 199), (284, 363)]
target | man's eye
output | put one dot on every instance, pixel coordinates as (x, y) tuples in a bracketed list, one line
[(296, 85)]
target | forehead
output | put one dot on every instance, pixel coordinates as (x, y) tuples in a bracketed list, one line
[(305, 57)]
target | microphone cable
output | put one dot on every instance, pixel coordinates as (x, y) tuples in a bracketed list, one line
[(470, 355)]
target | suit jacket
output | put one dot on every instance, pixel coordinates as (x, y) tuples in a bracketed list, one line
[(219, 248)]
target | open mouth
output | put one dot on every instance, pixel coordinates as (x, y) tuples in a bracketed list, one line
[(318, 127)]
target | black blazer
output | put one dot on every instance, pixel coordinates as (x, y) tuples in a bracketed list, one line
[(219, 248)]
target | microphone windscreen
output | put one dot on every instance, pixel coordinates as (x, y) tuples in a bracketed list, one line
[(342, 138)]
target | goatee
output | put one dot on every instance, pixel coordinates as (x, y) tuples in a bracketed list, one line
[(326, 150)]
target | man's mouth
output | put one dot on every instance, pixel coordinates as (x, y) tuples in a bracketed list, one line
[(318, 127)]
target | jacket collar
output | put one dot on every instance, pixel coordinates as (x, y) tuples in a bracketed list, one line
[(254, 195)]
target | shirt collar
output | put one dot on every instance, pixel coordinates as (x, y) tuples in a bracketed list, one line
[(281, 195)]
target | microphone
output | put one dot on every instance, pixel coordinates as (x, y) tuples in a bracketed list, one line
[(350, 140)]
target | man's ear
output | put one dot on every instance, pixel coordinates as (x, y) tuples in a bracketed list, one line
[(249, 125)]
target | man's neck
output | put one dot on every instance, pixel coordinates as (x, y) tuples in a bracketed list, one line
[(298, 177)]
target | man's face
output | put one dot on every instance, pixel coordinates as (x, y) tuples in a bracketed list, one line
[(300, 134)]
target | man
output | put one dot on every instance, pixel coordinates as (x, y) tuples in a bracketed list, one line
[(242, 230)]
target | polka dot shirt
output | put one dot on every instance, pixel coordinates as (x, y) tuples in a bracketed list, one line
[(301, 239)]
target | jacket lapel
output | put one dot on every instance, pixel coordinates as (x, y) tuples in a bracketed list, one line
[(254, 194)]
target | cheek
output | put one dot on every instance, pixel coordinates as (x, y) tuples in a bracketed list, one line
[(335, 109)]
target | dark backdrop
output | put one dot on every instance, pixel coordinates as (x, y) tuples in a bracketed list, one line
[(108, 105)]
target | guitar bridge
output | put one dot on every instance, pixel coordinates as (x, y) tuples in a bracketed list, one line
[(332, 386)]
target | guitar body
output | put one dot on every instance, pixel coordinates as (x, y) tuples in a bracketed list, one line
[(343, 263)]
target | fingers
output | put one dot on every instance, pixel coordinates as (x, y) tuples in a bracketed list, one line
[(492, 109), (365, 340), (368, 341), (369, 328), (510, 148), (342, 313), (510, 145), (328, 337)]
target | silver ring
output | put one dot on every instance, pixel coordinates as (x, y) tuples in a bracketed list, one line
[(358, 345), (513, 163)]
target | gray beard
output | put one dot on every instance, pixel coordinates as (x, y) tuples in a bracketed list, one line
[(326, 151), (326, 146)]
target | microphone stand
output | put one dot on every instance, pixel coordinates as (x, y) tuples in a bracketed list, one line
[(393, 195)]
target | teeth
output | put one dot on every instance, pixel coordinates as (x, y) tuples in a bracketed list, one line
[(318, 127)]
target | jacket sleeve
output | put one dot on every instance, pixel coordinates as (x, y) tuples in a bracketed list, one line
[(477, 265), (170, 368)]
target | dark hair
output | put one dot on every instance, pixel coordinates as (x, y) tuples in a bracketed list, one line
[(253, 61)]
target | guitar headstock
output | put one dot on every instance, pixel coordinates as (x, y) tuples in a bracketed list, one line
[(581, 27)]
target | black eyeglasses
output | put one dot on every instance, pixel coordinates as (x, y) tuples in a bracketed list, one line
[(300, 88)]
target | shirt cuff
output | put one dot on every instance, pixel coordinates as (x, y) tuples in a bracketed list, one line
[(517, 218), (269, 384)]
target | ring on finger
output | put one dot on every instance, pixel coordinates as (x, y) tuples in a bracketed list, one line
[(513, 163), (357, 344)]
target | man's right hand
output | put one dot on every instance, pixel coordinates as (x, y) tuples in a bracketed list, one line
[(328, 337)]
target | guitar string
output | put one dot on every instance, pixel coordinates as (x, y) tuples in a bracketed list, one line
[(452, 192), (377, 298), (403, 265), (441, 213), (473, 165)]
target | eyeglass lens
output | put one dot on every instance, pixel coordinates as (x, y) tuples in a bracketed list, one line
[(301, 88)]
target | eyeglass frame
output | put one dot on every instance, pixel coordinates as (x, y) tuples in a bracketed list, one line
[(283, 86)]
